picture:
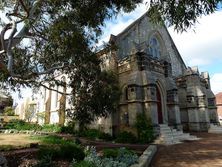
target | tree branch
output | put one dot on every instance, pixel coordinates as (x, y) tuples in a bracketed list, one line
[(6, 27), (49, 88), (9, 48), (24, 7)]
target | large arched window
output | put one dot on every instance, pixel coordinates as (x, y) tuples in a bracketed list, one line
[(154, 47)]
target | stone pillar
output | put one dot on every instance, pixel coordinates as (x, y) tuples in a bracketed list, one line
[(198, 114), (150, 106), (48, 108), (173, 109), (62, 107)]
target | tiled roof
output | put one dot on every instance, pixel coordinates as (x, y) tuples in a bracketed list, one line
[(219, 98)]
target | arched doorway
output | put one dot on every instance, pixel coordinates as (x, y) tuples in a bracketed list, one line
[(159, 106)]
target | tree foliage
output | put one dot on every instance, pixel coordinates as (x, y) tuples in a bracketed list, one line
[(182, 14), (60, 39), (60, 31), (95, 96)]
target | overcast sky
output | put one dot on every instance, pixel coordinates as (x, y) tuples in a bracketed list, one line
[(202, 48)]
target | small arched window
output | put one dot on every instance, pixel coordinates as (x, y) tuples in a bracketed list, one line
[(154, 47)]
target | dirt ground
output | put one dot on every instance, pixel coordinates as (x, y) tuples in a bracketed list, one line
[(16, 139)]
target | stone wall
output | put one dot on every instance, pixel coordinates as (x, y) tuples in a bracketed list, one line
[(219, 105), (196, 101), (138, 35)]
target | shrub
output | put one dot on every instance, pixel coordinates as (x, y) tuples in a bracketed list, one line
[(95, 134), (51, 128), (21, 125), (67, 129), (9, 111), (83, 164), (46, 161), (125, 158), (105, 136), (52, 139), (110, 153), (126, 137), (64, 151), (91, 133), (48, 151), (144, 129), (71, 151)]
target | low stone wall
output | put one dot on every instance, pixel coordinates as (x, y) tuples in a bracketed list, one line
[(31, 132), (146, 157)]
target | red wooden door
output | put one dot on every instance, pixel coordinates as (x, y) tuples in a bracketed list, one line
[(159, 107)]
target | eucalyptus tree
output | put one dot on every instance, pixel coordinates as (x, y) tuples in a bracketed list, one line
[(61, 31), (41, 39)]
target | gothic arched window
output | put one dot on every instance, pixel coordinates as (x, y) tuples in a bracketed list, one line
[(154, 47)]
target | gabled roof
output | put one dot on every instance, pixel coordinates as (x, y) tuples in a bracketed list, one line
[(113, 38)]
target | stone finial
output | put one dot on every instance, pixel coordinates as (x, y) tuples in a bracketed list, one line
[(112, 38), (195, 70), (205, 75)]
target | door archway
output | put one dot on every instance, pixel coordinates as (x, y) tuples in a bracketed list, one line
[(159, 106)]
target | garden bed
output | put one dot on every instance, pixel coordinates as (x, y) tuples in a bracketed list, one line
[(29, 156)]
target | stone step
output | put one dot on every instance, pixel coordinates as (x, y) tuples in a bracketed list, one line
[(163, 125), (170, 136), (163, 129), (215, 129)]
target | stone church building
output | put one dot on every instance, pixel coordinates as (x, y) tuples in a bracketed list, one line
[(155, 80)]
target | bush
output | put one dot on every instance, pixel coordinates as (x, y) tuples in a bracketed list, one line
[(67, 129), (71, 151), (64, 151), (9, 111), (125, 158), (105, 136), (110, 153), (91, 133), (83, 164), (45, 162), (51, 128), (22, 125), (51, 139), (144, 129), (95, 134), (126, 137)]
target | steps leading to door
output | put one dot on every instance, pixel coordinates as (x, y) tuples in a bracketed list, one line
[(215, 129), (171, 136)]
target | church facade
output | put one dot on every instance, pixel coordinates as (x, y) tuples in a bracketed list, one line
[(154, 79)]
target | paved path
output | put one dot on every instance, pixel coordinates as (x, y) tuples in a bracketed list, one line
[(206, 152)]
